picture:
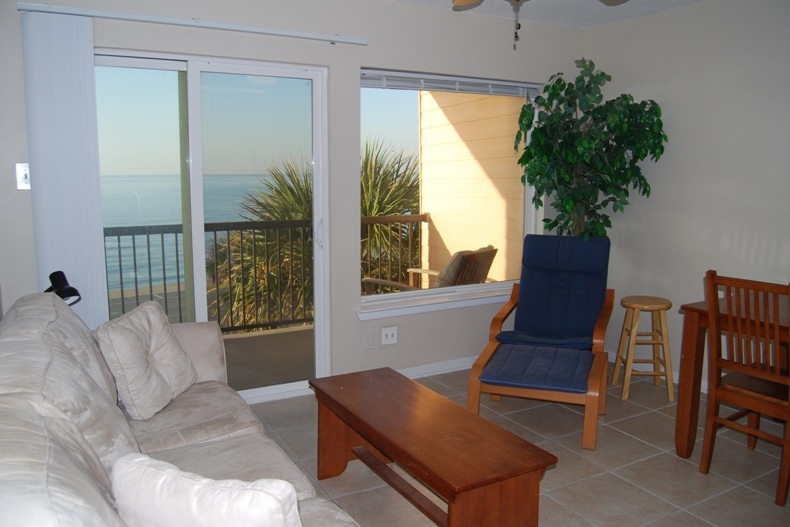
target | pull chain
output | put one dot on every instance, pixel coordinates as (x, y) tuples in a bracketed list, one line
[(517, 9)]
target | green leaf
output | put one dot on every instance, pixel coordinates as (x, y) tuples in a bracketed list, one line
[(583, 151)]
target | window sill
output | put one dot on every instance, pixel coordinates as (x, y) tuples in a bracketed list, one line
[(416, 302)]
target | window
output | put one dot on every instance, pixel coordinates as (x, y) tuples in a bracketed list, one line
[(457, 134)]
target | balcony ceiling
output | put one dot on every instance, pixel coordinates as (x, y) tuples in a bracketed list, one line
[(565, 13)]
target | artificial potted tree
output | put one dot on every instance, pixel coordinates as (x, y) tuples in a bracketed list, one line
[(583, 152)]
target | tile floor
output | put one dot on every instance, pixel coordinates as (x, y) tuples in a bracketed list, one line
[(633, 478)]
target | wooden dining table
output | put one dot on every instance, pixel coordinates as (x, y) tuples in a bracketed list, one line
[(692, 354)]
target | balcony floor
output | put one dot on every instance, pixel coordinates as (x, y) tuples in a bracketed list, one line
[(271, 357)]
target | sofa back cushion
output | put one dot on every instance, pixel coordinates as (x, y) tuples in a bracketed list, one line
[(46, 350), (49, 474), (148, 363), (45, 316)]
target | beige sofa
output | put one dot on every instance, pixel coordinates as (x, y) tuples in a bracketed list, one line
[(71, 454)]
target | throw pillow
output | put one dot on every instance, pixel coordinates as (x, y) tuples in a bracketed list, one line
[(148, 363), (152, 493)]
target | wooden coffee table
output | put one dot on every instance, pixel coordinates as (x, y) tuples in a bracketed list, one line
[(486, 475)]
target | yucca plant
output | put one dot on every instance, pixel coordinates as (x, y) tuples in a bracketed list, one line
[(266, 275), (268, 272), (390, 185)]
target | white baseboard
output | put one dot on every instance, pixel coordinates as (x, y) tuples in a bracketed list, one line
[(415, 372), (297, 389)]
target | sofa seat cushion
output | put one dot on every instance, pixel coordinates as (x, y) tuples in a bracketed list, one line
[(49, 474), (148, 363), (207, 411), (262, 458), (152, 493)]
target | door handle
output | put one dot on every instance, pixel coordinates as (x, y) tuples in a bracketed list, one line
[(318, 233)]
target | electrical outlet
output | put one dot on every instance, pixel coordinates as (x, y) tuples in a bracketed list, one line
[(369, 341), (389, 335)]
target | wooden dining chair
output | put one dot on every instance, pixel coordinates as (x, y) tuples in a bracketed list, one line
[(748, 364)]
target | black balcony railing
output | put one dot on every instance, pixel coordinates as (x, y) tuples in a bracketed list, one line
[(258, 274)]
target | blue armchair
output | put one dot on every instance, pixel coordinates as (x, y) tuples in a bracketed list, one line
[(555, 350)]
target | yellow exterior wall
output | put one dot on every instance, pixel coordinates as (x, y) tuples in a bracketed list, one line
[(471, 181)]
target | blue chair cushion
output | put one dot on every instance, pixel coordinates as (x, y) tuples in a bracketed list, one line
[(524, 338), (563, 286), (539, 367)]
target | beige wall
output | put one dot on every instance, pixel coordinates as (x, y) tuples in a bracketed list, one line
[(17, 260), (470, 178), (719, 68)]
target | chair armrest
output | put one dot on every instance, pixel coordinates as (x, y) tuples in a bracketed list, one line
[(431, 272), (503, 313), (202, 342), (369, 285), (596, 381), (483, 358), (599, 332), (415, 278)]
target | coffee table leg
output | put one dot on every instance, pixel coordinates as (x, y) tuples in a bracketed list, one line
[(510, 503), (332, 451)]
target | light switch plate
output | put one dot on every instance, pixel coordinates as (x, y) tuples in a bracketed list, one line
[(23, 176)]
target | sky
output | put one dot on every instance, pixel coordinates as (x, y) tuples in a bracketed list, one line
[(249, 122)]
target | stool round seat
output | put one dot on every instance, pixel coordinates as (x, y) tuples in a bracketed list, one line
[(657, 338), (645, 303)]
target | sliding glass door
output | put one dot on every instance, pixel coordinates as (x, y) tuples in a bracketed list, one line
[(208, 198)]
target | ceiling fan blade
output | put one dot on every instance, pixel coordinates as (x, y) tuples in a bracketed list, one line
[(612, 3), (461, 5)]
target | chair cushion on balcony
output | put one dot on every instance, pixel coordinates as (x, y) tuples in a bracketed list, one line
[(528, 339), (446, 276), (539, 367), (148, 363)]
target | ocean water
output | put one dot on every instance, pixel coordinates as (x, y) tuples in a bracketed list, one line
[(156, 200)]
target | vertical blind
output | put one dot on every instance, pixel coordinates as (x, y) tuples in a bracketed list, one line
[(64, 157)]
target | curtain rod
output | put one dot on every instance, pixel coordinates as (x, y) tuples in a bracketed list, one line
[(188, 22)]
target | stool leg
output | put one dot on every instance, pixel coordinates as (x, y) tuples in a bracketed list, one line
[(667, 355), (629, 360), (618, 361), (655, 336)]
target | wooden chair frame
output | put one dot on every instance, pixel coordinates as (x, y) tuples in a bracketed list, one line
[(594, 401), (750, 371)]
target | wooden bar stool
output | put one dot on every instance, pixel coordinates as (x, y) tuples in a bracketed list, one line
[(658, 337)]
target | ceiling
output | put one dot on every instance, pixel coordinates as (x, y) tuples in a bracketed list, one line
[(566, 13)]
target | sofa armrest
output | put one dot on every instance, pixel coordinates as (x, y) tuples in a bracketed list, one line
[(202, 341)]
